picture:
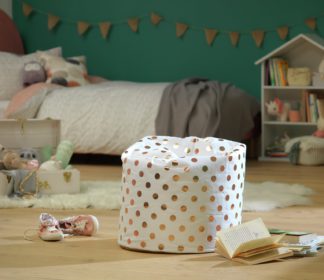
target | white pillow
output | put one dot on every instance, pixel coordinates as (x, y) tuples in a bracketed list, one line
[(11, 66)]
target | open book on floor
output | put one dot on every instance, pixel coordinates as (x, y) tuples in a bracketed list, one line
[(250, 243)]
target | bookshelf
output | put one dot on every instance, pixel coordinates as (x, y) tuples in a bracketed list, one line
[(305, 50)]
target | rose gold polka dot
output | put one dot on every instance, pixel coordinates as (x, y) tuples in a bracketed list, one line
[(205, 168), (175, 163), (209, 238), (237, 196), (219, 208), (127, 190), (200, 248), (227, 197), (218, 227), (204, 188), (129, 241), (146, 204), (155, 196), (213, 178), (152, 235), (164, 207), (222, 148), (171, 237), (138, 213), (136, 233), (202, 208), (165, 187), (182, 228), (162, 227), (233, 187), (191, 238), (176, 178), (143, 244), (185, 188), (130, 222), (174, 197), (132, 202), (192, 218), (226, 217), (211, 218), (173, 218), (157, 176), (139, 193), (201, 228), (128, 171), (161, 246), (141, 173), (212, 198), (194, 198), (149, 165), (136, 162), (195, 179), (153, 216), (144, 224), (232, 206), (222, 168), (183, 208), (228, 177), (180, 248), (126, 210), (221, 188), (147, 185)]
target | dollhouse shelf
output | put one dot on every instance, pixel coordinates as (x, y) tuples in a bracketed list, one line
[(304, 50)]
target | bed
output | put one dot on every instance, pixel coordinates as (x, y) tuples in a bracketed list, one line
[(100, 117)]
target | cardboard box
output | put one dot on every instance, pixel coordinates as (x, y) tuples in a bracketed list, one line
[(60, 181), (31, 133)]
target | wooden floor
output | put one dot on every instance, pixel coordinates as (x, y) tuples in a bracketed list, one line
[(100, 257)]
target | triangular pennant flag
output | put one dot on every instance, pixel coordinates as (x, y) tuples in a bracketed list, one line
[(155, 18), (133, 24), (104, 29), (52, 21), (27, 9), (283, 32), (181, 29), (311, 23), (83, 27), (235, 37), (210, 35), (258, 36)]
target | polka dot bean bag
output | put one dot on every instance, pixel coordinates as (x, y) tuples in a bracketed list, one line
[(178, 192)]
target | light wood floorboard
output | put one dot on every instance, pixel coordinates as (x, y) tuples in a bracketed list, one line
[(100, 257)]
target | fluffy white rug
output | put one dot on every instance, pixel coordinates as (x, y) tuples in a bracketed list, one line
[(106, 195)]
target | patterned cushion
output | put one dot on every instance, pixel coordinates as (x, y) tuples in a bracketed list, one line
[(69, 72), (11, 71)]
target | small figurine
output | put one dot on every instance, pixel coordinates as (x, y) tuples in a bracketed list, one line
[(279, 109)]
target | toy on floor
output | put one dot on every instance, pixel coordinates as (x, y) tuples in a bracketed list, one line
[(278, 109), (320, 123), (12, 160), (277, 147)]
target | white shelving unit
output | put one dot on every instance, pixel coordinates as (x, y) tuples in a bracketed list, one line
[(305, 50)]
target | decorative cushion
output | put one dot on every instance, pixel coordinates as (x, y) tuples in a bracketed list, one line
[(11, 71), (178, 192), (306, 150), (68, 72)]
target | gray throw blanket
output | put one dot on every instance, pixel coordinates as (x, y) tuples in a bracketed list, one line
[(203, 108)]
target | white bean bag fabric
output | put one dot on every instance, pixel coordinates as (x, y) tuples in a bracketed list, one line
[(178, 192)]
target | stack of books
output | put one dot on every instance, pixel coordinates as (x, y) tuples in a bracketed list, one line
[(276, 72), (302, 244)]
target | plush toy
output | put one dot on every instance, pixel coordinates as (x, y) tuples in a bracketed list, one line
[(29, 154), (33, 72), (11, 160), (279, 109), (320, 123)]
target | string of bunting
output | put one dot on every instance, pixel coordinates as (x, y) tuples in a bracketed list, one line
[(180, 27)]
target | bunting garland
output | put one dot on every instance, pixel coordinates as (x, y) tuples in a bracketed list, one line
[(180, 28)]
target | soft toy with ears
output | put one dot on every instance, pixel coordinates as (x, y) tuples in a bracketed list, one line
[(278, 108), (11, 160)]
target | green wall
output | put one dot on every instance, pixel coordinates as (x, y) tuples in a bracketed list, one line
[(154, 53)]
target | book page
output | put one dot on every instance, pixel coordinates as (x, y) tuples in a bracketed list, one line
[(258, 243), (232, 238), (267, 256)]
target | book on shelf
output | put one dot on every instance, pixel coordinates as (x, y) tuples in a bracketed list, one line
[(250, 243), (312, 106), (276, 68)]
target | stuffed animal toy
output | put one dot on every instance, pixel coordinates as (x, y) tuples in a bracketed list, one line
[(33, 72), (279, 109), (29, 154), (11, 161), (320, 123)]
